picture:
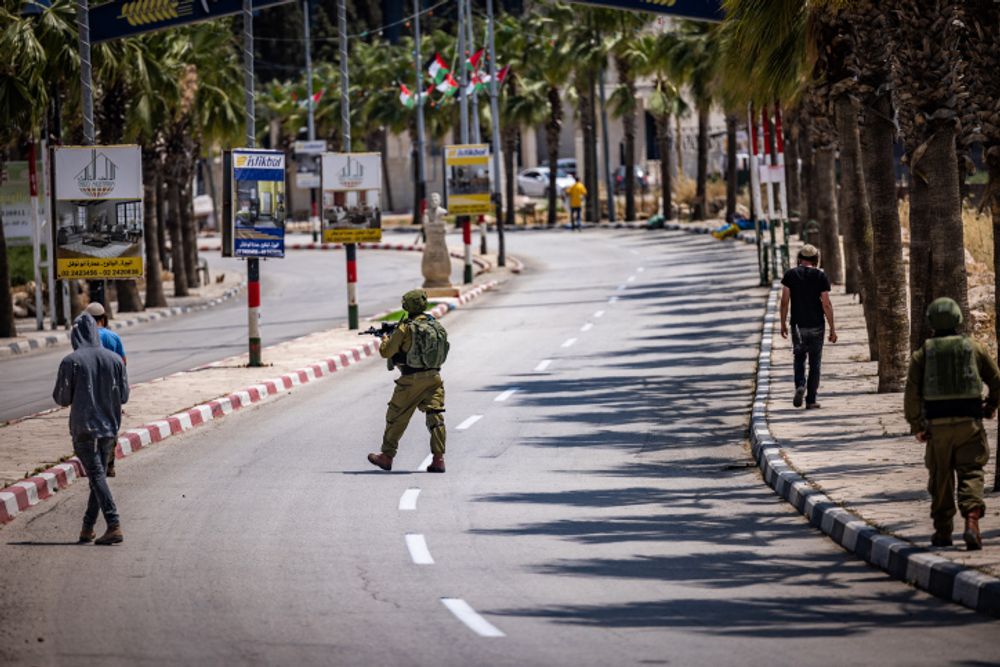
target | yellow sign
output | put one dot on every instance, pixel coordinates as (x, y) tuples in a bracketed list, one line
[(468, 178), (99, 267), (351, 235)]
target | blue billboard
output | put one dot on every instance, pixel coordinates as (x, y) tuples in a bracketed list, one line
[(123, 18)]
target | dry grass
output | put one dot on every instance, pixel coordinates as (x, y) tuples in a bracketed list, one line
[(978, 235)]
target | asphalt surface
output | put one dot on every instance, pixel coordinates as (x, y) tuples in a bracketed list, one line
[(599, 507), (300, 294)]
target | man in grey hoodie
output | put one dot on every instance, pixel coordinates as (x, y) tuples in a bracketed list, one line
[(93, 381)]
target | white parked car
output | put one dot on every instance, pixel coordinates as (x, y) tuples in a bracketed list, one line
[(534, 182)]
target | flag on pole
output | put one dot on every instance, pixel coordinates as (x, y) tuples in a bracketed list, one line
[(447, 85), (474, 60), (406, 98), (438, 69), (475, 84)]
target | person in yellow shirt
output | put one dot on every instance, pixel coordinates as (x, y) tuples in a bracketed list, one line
[(576, 193)]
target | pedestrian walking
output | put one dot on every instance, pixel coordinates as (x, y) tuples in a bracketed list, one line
[(109, 341), (417, 347), (93, 381), (944, 406), (807, 289), (576, 194)]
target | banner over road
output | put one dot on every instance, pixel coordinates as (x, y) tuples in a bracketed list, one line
[(702, 10), (122, 18)]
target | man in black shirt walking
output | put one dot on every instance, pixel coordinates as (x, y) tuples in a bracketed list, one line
[(808, 289)]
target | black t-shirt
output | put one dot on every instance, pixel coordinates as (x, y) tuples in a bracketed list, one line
[(806, 284)]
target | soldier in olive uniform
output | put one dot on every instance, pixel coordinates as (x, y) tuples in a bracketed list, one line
[(945, 408), (418, 347)]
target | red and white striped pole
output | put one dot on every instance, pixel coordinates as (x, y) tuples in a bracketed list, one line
[(782, 185), (352, 285), (467, 240), (253, 309)]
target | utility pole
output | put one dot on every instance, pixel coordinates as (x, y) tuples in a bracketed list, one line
[(311, 118), (463, 116), (474, 114), (495, 113), (345, 131), (607, 159), (418, 91), (97, 287), (253, 263)]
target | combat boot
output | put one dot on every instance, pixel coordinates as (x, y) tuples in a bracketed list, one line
[(437, 464), (941, 539), (112, 536), (973, 540), (87, 534), (383, 461)]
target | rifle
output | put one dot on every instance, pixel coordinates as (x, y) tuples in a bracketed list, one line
[(386, 330)]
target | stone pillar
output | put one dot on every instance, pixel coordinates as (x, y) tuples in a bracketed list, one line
[(436, 263)]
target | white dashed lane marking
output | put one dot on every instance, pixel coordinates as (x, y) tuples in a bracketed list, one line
[(569, 343), (621, 288), (505, 395), (408, 501), (419, 552), (634, 252), (640, 269), (612, 299), (599, 314), (471, 618), (587, 327), (542, 365), (426, 462), (631, 279), (468, 422)]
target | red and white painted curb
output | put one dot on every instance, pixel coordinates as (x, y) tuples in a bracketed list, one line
[(18, 497)]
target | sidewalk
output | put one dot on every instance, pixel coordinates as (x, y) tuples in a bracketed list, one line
[(858, 451), (30, 339)]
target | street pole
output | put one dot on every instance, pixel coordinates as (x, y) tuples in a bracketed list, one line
[(97, 291), (495, 113), (607, 157), (463, 122), (418, 91), (311, 118), (345, 131), (253, 263), (474, 114), (36, 236)]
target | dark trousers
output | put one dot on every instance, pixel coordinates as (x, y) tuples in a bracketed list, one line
[(575, 217), (807, 344), (93, 454)]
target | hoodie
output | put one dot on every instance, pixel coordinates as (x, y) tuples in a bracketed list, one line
[(93, 381)]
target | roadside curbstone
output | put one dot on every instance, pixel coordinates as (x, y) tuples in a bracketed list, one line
[(900, 559), (28, 492)]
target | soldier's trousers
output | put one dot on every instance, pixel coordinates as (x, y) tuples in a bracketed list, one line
[(956, 447), (422, 391)]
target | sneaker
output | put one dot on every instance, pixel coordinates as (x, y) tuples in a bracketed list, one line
[(112, 536), (813, 406), (383, 461), (800, 395)]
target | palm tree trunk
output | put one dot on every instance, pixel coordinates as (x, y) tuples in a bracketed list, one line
[(936, 226), (700, 201), (552, 128), (176, 238), (509, 141), (386, 181), (128, 296), (887, 248), (991, 198), (666, 180), (590, 149), (189, 229), (731, 183), (162, 202), (845, 195), (154, 276), (794, 189), (808, 190), (857, 213), (826, 207)]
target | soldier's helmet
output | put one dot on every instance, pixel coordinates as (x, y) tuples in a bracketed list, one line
[(415, 301), (944, 314)]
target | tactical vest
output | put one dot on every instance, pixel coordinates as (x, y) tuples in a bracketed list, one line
[(429, 343), (950, 370)]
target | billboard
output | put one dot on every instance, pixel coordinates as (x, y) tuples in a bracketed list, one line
[(308, 156), (98, 212), (254, 203), (15, 202), (468, 171), (121, 18), (698, 10), (352, 192)]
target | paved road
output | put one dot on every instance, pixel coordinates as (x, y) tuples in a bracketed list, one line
[(598, 508), (303, 293)]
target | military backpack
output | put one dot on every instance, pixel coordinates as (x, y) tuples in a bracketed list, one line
[(429, 347), (950, 370)]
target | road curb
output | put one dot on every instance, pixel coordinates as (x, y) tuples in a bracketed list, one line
[(22, 347), (28, 492), (900, 559)]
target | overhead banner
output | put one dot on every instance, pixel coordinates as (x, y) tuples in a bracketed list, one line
[(121, 18), (255, 204), (308, 156), (468, 184), (352, 197), (15, 202), (699, 10), (98, 213)]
